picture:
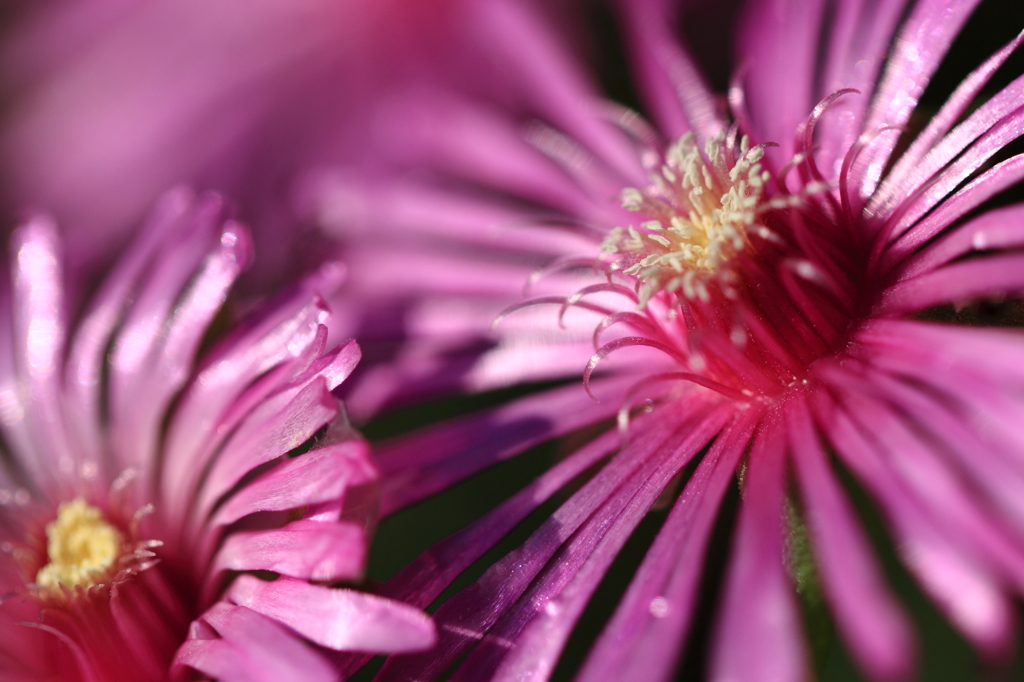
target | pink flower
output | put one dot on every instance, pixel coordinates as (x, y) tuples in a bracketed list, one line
[(159, 515), (111, 101), (779, 295)]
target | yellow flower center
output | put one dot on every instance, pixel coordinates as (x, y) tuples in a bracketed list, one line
[(81, 546), (700, 210)]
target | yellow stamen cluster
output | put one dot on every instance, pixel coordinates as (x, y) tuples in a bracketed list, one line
[(700, 212), (81, 545)]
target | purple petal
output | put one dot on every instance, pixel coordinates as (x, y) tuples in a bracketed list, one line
[(642, 639), (956, 283), (907, 173), (39, 345), (670, 80), (419, 465), (971, 196), (279, 425), (151, 362), (227, 386), (466, 618)]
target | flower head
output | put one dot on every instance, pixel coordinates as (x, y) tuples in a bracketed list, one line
[(763, 311), (158, 515)]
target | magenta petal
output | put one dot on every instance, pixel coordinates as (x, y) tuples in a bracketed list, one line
[(281, 424), (966, 591), (877, 631), (907, 173), (343, 620), (672, 84), (309, 550), (758, 637), (250, 647), (318, 476), (423, 580), (416, 466), (153, 358), (998, 229), (778, 39), (996, 136), (957, 283), (87, 356), (557, 598), (987, 185), (923, 41), (642, 639), (468, 617), (226, 387)]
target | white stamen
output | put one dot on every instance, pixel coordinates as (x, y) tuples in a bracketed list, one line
[(705, 211)]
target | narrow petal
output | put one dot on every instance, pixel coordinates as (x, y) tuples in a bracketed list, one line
[(995, 230), (923, 40), (343, 620), (758, 637), (250, 647), (877, 631), (419, 465), (317, 476), (906, 174), (975, 193), (957, 283), (543, 619), (279, 425), (642, 639), (307, 550), (671, 82), (39, 344), (965, 590), (466, 618)]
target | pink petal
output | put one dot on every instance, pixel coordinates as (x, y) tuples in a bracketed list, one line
[(870, 619), (957, 283), (998, 229), (466, 618), (343, 620), (965, 590), (39, 346), (758, 636), (923, 40), (975, 193), (419, 465), (250, 647), (909, 171), (320, 475), (642, 640), (308, 550), (279, 425), (671, 82)]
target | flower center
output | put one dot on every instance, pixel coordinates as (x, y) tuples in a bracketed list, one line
[(700, 210), (81, 546)]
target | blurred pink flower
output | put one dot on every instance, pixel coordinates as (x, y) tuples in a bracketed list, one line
[(779, 295), (114, 100), (111, 101), (159, 515)]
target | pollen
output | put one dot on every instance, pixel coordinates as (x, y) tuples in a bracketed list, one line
[(81, 546), (700, 210)]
